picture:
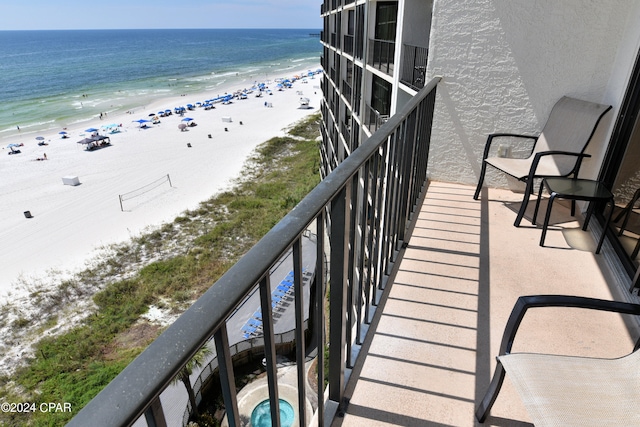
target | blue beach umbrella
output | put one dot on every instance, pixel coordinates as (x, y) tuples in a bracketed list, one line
[(187, 119), (141, 121), (91, 130)]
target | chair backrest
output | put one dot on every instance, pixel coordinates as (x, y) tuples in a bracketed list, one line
[(570, 126)]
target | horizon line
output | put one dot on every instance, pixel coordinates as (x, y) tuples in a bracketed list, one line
[(144, 29)]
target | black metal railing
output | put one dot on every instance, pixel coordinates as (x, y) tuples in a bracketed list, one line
[(347, 44), (334, 40), (381, 53), (346, 91), (345, 130), (364, 207), (414, 66), (373, 119)]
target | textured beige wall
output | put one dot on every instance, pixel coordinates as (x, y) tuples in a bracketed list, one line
[(506, 62)]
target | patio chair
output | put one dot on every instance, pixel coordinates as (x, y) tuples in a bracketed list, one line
[(568, 390), (627, 211), (557, 151)]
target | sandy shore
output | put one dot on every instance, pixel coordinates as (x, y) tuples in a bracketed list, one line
[(70, 222)]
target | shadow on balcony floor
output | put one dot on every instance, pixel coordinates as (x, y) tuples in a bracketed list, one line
[(432, 345)]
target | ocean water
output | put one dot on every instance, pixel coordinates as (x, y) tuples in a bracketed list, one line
[(54, 79)]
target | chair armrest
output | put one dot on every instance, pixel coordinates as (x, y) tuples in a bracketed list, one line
[(534, 301), (538, 157), (498, 135)]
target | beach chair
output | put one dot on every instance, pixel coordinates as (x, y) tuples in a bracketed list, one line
[(560, 390), (557, 151), (250, 330), (284, 288)]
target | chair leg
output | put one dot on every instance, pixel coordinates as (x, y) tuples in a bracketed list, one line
[(606, 225), (546, 218), (480, 180), (525, 201), (492, 393), (535, 211)]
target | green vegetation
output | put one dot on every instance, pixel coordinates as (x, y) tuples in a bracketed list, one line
[(190, 254)]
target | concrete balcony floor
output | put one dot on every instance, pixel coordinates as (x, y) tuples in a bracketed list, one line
[(432, 344)]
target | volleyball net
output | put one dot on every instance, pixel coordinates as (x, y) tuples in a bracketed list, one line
[(138, 192)]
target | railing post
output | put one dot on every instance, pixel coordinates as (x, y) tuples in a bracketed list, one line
[(351, 288), (270, 350), (405, 198), (338, 295), (300, 344), (154, 415), (227, 379), (320, 312)]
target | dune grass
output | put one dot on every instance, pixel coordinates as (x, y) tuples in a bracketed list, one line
[(74, 366)]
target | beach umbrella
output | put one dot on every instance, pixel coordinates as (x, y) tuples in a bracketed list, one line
[(91, 130), (62, 133), (141, 121), (187, 119), (182, 126), (13, 145), (40, 138)]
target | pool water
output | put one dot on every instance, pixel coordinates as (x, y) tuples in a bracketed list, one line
[(261, 415)]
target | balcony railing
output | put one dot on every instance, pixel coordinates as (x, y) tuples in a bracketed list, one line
[(381, 53), (347, 44), (414, 66), (373, 119), (364, 208), (345, 130), (346, 90), (334, 40)]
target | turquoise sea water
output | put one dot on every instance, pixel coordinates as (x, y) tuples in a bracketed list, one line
[(53, 79)]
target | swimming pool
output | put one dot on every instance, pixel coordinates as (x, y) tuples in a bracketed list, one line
[(261, 415)]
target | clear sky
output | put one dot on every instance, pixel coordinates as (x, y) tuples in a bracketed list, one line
[(117, 14)]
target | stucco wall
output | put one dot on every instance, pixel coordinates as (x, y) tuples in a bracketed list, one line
[(505, 63)]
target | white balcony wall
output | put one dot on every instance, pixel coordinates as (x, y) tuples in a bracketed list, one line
[(506, 62)]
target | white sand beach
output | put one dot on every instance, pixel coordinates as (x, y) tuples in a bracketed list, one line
[(70, 222)]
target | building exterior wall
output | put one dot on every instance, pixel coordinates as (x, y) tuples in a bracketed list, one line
[(505, 63)]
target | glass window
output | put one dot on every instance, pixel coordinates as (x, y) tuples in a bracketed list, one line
[(386, 17)]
